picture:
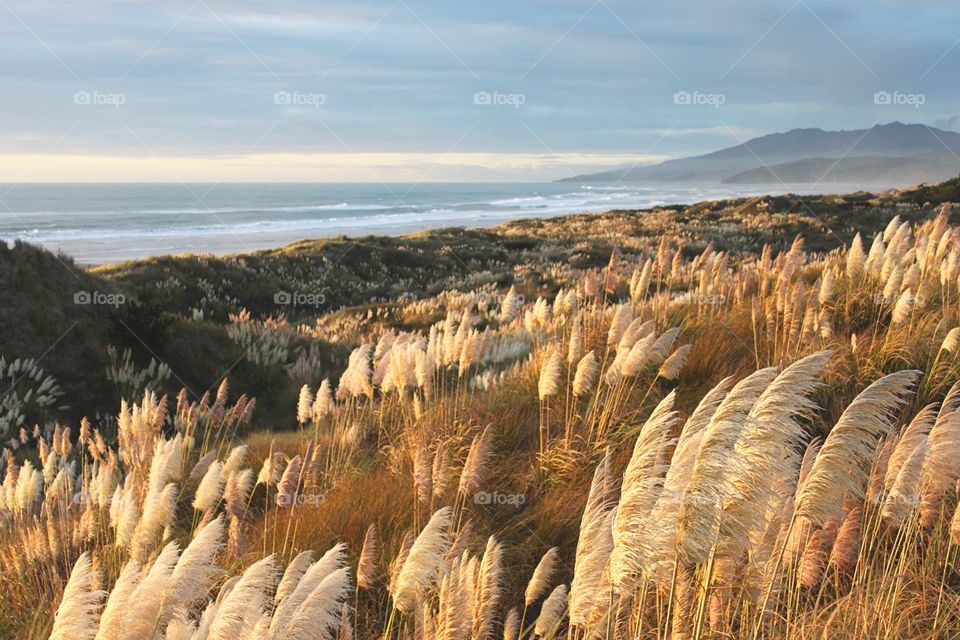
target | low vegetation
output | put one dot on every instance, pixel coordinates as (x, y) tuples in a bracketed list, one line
[(734, 419)]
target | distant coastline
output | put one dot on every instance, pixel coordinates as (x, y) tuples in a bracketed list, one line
[(105, 224)]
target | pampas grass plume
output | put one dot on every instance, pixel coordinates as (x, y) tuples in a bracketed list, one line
[(542, 576), (76, 617), (423, 564)]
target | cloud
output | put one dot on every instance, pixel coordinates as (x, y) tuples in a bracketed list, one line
[(297, 167), (400, 76)]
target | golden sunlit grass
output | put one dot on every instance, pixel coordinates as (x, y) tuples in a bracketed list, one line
[(757, 444)]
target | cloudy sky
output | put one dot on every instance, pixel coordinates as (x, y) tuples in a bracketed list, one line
[(370, 90)]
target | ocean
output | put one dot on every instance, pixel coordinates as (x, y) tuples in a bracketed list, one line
[(105, 223)]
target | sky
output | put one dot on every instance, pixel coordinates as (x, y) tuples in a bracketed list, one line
[(445, 90)]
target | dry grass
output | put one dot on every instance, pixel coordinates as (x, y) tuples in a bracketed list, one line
[(466, 446)]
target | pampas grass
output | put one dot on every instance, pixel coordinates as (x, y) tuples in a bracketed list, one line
[(111, 620), (549, 383), (551, 613), (698, 515), (239, 611), (319, 614), (369, 558), (590, 587), (422, 566), (713, 509), (292, 575), (842, 467), (542, 576), (642, 483), (76, 617), (586, 375)]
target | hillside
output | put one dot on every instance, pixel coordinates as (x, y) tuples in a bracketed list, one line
[(747, 409), (924, 155), (177, 311), (912, 169)]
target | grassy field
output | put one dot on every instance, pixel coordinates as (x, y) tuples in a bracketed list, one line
[(731, 419)]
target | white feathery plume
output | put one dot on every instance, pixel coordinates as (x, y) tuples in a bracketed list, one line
[(126, 516), (292, 574), (511, 625), (111, 620), (29, 486), (766, 450), (841, 469), (672, 366), (586, 375), (700, 419), (196, 569), (951, 341), (622, 317), (550, 374), (158, 512), (826, 286), (289, 482), (699, 513), (144, 605), (510, 306), (423, 564), (202, 465), (318, 616), (180, 628), (642, 484), (369, 558), (640, 354), (487, 590), (424, 369), (334, 559), (235, 460), (940, 471), (637, 329), (210, 489), (305, 405), (575, 346), (678, 477), (551, 613), (914, 435), (241, 609), (856, 258), (590, 588), (475, 466), (903, 497), (542, 576), (76, 617), (662, 345), (903, 308), (323, 404)]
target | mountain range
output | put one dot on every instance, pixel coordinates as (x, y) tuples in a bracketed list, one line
[(893, 154)]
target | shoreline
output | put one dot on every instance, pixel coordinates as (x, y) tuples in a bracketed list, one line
[(116, 237)]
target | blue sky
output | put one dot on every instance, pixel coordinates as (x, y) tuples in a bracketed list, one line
[(446, 90)]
